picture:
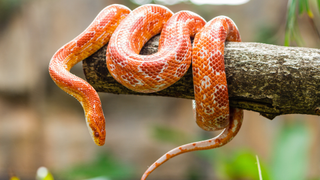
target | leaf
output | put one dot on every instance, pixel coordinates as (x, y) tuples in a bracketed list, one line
[(259, 168), (309, 12), (296, 36), (290, 159), (302, 6), (287, 38), (291, 19)]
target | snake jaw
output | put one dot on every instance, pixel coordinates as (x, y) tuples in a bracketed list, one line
[(96, 127), (98, 136), (97, 140)]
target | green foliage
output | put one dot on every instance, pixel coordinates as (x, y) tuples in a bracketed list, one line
[(236, 164), (304, 7), (292, 33), (104, 167), (289, 160), (290, 157), (266, 34), (167, 134)]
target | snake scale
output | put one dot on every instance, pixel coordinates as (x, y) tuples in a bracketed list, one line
[(127, 31)]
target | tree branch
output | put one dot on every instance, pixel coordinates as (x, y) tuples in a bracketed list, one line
[(269, 79)]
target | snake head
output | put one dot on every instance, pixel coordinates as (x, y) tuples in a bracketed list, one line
[(99, 137), (96, 125)]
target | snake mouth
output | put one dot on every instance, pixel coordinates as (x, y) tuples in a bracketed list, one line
[(99, 142)]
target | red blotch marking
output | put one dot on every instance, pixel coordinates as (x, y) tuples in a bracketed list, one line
[(85, 38), (152, 69), (104, 22)]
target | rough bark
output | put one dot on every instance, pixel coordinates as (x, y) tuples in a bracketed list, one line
[(269, 79)]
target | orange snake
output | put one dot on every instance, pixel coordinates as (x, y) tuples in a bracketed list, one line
[(128, 32)]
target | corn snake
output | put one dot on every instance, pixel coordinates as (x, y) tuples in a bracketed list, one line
[(126, 33)]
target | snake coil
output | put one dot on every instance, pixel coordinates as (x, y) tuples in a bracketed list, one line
[(126, 33)]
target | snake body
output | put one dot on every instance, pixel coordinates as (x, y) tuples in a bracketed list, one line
[(128, 32), (151, 73), (93, 38)]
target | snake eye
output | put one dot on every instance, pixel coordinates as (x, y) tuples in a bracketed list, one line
[(96, 134)]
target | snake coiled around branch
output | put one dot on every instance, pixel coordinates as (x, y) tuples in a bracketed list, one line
[(126, 33)]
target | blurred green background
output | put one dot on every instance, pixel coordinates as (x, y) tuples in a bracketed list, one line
[(40, 125)]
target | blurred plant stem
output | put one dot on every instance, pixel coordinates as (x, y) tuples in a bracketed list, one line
[(292, 33)]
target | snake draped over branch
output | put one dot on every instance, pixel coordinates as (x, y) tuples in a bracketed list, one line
[(126, 32)]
